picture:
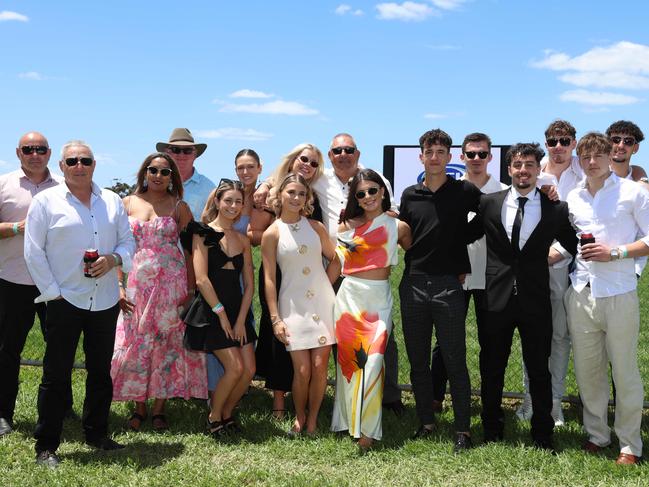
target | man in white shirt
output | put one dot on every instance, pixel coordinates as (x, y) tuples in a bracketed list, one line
[(476, 155), (17, 289), (602, 303), (561, 170), (61, 224)]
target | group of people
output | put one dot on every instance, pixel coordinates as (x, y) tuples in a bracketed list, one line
[(164, 301)]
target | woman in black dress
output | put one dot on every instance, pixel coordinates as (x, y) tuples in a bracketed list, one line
[(221, 256)]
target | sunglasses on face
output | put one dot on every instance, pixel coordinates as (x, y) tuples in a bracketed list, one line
[(73, 161), (363, 193), (472, 154), (184, 150), (306, 160), (339, 150), (234, 182), (165, 171), (630, 141), (564, 141), (30, 149)]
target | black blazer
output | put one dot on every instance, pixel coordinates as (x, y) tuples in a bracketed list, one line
[(529, 267)]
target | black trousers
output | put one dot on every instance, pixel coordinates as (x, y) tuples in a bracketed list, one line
[(65, 323), (17, 312), (438, 369), (436, 300), (495, 337)]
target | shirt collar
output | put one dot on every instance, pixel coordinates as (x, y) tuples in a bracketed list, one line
[(47, 179), (610, 181), (196, 178), (532, 195)]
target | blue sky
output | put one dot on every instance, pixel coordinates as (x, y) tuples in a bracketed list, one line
[(269, 75)]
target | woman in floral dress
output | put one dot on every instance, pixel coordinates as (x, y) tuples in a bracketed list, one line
[(150, 361)]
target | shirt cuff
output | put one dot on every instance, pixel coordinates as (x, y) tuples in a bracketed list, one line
[(52, 292)]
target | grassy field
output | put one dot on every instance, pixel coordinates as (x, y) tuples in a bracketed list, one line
[(263, 455)]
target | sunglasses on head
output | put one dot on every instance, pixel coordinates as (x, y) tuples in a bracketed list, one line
[(472, 154), (616, 139), (363, 193), (564, 141), (234, 182), (184, 150), (339, 150), (73, 161), (306, 160), (165, 171), (30, 149)]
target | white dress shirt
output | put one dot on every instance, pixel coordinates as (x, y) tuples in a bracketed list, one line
[(531, 215), (332, 195), (616, 215), (478, 249), (58, 230)]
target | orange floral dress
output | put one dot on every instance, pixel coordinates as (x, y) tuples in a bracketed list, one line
[(362, 316)]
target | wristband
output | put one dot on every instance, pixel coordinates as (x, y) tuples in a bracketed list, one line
[(624, 251), (14, 228), (218, 308), (275, 322)]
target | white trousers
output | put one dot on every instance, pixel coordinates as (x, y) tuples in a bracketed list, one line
[(603, 330)]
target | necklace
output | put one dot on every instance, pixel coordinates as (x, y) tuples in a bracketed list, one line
[(294, 226)]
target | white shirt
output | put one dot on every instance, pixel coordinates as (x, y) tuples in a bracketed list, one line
[(478, 249), (531, 214), (616, 215), (332, 195), (640, 262), (58, 230)]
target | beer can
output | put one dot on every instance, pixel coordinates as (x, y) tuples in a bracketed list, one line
[(89, 256), (586, 238)]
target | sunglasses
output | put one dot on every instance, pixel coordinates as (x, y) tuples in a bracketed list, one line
[(360, 195), (234, 182), (483, 154), (73, 161), (564, 141), (306, 160), (339, 150), (616, 139), (30, 149), (184, 150), (165, 171)]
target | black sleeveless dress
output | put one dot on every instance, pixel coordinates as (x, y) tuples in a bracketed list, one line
[(204, 330)]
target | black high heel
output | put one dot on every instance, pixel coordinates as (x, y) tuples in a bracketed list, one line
[(216, 429)]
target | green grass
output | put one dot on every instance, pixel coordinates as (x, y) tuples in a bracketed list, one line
[(186, 456)]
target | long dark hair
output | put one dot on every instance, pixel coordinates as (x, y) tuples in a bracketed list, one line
[(353, 209), (176, 183)]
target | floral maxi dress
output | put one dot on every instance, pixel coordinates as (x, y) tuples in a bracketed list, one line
[(150, 360)]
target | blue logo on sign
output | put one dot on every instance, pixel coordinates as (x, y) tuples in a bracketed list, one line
[(456, 171)]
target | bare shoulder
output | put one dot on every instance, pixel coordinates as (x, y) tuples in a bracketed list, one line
[(317, 226)]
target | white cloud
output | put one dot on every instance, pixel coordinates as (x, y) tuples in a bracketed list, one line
[(594, 98), (607, 80), (231, 133), (32, 75), (104, 159), (406, 11), (435, 116), (8, 15), (277, 107), (344, 9), (448, 4), (246, 93)]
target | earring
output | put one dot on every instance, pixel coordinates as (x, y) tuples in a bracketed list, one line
[(145, 183), (171, 186)]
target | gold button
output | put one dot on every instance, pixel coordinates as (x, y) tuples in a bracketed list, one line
[(322, 340), (315, 317), (303, 248), (306, 271), (309, 294)]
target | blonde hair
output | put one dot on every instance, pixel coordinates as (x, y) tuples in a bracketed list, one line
[(211, 210), (275, 201), (286, 166)]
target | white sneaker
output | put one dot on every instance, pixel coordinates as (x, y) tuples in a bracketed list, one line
[(557, 413), (524, 411)]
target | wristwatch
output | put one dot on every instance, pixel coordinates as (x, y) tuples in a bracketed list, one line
[(118, 258), (615, 254)]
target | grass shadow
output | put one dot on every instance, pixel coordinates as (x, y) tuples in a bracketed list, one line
[(137, 454)]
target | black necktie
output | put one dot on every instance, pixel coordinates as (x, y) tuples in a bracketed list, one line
[(518, 220)]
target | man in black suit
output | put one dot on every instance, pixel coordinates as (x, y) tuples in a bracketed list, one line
[(520, 224)]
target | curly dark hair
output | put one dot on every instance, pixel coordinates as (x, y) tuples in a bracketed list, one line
[(625, 127), (525, 149), (559, 128), (435, 136)]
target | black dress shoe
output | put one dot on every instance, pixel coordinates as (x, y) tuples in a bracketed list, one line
[(5, 427), (47, 458), (423, 432), (396, 407), (71, 415), (462, 442), (105, 443), (545, 444)]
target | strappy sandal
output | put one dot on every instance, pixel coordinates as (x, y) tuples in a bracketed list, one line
[(159, 422), (232, 426), (216, 429), (279, 414), (134, 422)]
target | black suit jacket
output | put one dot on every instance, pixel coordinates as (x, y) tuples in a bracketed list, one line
[(529, 267)]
